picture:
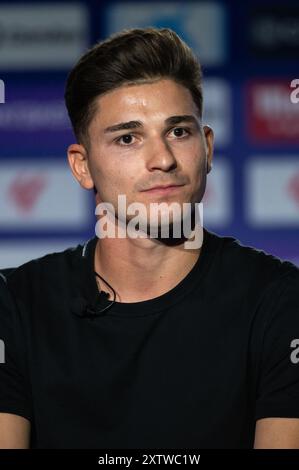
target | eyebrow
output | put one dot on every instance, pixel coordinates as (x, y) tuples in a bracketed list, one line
[(172, 120)]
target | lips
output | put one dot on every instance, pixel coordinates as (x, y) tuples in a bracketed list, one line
[(163, 189)]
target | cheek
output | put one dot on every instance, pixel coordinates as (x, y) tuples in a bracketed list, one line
[(194, 161), (115, 181)]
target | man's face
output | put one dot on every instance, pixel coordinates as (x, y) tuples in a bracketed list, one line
[(140, 139)]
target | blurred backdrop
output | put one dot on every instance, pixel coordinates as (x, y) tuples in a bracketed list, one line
[(249, 52)]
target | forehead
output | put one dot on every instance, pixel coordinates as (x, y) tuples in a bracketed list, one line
[(150, 101)]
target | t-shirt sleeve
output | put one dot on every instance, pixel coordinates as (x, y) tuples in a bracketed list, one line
[(14, 382), (278, 382)]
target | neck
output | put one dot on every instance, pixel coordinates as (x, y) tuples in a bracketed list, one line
[(141, 269)]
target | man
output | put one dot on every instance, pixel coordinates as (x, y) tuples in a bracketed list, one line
[(189, 347)]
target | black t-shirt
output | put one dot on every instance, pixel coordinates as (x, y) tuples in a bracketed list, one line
[(192, 368)]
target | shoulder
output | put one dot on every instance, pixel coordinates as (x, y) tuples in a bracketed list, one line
[(249, 266), (5, 298), (45, 270)]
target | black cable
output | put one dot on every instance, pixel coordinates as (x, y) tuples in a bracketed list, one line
[(106, 293)]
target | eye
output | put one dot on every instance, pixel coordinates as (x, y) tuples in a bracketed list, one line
[(181, 131), (125, 139)]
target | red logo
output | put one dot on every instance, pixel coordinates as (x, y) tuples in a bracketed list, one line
[(271, 116), (293, 187), (25, 191)]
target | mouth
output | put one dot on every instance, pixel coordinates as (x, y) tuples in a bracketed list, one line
[(164, 189)]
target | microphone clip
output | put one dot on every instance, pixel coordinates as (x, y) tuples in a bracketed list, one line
[(83, 309)]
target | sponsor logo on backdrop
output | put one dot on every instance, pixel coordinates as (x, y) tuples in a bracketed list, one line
[(25, 191), (35, 116), (41, 195), (271, 115), (273, 191), (42, 35), (191, 20), (293, 187), (218, 109), (218, 196), (274, 31)]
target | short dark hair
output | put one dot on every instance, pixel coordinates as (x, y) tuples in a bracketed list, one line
[(131, 56)]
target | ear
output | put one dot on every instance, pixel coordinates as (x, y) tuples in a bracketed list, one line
[(209, 145), (78, 161)]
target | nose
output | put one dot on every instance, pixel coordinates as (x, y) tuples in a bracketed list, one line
[(160, 155)]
